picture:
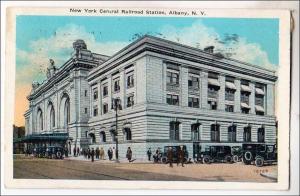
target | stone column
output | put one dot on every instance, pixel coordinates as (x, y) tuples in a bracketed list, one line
[(184, 86), (122, 88), (237, 95), (270, 99), (221, 100), (252, 98), (204, 83), (240, 132), (223, 132), (110, 91)]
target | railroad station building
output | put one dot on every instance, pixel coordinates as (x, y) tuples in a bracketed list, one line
[(169, 94)]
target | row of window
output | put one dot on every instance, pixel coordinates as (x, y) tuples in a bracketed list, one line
[(116, 86), (129, 103), (102, 136), (215, 133)]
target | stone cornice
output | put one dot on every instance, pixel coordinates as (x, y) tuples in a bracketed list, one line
[(165, 47)]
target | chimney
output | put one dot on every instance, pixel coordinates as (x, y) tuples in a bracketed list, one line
[(209, 49)]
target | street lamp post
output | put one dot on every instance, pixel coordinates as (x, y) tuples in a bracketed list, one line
[(116, 106)]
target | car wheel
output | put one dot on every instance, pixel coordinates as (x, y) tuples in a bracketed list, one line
[(259, 161), (248, 156), (164, 160), (235, 158), (58, 155), (206, 160), (228, 159), (246, 162)]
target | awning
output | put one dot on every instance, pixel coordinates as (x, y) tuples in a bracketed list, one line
[(245, 105), (213, 82), (259, 91), (230, 85), (245, 88), (258, 108), (44, 137)]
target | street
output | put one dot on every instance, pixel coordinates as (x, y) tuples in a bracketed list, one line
[(34, 168)]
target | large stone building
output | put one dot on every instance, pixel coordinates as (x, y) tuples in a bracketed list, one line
[(169, 94)]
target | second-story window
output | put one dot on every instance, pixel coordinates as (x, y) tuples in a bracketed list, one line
[(229, 108), (130, 100), (105, 108), (193, 102), (105, 91), (85, 93), (95, 94), (172, 99), (229, 94), (95, 111), (193, 82), (172, 78), (245, 97), (130, 81), (117, 85)]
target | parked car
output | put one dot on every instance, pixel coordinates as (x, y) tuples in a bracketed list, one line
[(54, 152), (237, 153), (216, 154), (39, 151), (175, 154), (259, 154)]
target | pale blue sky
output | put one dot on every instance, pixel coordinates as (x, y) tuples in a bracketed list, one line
[(260, 31)]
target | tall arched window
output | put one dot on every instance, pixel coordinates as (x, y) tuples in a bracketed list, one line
[(64, 111), (232, 133), (247, 134), (261, 134), (215, 132), (102, 136), (40, 121), (195, 132), (92, 138), (127, 132), (52, 118), (67, 113)]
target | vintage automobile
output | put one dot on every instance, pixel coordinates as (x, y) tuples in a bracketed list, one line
[(54, 152), (259, 154), (39, 151), (175, 154), (213, 154), (237, 153)]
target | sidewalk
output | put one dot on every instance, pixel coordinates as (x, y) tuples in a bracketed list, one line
[(121, 160), (270, 175)]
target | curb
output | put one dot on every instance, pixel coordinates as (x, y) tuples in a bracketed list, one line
[(268, 176)]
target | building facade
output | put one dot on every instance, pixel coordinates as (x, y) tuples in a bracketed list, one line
[(169, 94)]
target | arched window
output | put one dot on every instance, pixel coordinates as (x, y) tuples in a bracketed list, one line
[(127, 132), (67, 113), (113, 135), (64, 111), (215, 132), (52, 118), (92, 138), (261, 134), (174, 130), (195, 132), (247, 134), (232, 133), (102, 136), (40, 121)]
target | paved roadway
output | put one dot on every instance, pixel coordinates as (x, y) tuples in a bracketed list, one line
[(34, 168)]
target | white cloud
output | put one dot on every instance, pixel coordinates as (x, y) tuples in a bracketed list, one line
[(200, 36)]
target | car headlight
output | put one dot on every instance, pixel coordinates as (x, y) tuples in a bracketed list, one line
[(201, 155)]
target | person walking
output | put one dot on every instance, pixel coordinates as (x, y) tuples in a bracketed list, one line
[(74, 151), (88, 153), (129, 154), (97, 153), (180, 158), (78, 149), (92, 154), (170, 156), (102, 154), (84, 153), (149, 153), (109, 153)]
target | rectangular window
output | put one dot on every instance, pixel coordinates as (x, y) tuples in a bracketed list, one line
[(229, 79), (95, 94), (172, 78), (212, 105), (193, 82), (213, 75), (212, 92), (229, 108), (105, 108), (130, 101), (130, 81), (95, 111), (193, 102), (172, 99), (174, 131), (105, 91), (116, 85), (245, 97), (245, 110), (229, 94), (85, 110), (259, 100), (85, 93)]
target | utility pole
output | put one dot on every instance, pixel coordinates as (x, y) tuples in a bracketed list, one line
[(116, 106)]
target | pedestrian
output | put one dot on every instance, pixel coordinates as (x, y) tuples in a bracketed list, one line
[(102, 154), (97, 153), (109, 152), (84, 153), (129, 154), (66, 152), (170, 156), (88, 153), (92, 154), (81, 151), (180, 157), (78, 151), (74, 151), (149, 153), (114, 154)]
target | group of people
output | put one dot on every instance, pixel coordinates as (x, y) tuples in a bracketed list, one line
[(156, 156), (170, 156)]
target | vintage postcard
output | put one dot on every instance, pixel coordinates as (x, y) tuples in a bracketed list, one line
[(147, 98)]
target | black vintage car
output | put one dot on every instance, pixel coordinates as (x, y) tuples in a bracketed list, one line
[(237, 153), (54, 152), (216, 154), (175, 154), (39, 152), (259, 154)]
